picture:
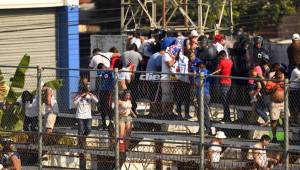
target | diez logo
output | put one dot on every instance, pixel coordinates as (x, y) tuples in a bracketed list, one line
[(154, 77)]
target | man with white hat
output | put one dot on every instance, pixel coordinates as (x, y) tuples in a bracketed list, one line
[(214, 152), (293, 52)]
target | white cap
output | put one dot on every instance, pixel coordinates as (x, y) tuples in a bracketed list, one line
[(136, 41), (220, 135), (194, 33), (296, 36)]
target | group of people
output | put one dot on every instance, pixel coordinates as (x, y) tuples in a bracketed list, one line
[(181, 59)]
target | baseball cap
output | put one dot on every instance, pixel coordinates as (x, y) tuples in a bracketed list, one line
[(296, 36), (194, 33), (167, 42)]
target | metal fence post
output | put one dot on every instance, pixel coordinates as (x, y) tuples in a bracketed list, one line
[(201, 121), (40, 118), (286, 123), (116, 98)]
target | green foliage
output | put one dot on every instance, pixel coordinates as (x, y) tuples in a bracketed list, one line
[(18, 80), (12, 117), (256, 14)]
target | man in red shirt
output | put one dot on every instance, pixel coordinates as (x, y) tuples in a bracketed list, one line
[(224, 69)]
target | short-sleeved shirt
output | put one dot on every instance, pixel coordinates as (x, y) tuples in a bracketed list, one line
[(207, 81), (193, 68), (182, 67), (101, 58), (154, 63), (258, 70), (145, 48), (295, 79), (216, 152), (225, 65), (131, 57), (31, 109), (164, 67), (105, 80)]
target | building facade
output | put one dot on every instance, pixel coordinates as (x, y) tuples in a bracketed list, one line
[(48, 32)]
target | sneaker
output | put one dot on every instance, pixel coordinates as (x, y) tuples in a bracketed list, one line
[(266, 124)]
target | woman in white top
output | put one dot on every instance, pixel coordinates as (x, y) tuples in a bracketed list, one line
[(125, 118), (83, 102), (214, 152)]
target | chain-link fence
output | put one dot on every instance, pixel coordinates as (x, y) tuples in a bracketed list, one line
[(145, 120)]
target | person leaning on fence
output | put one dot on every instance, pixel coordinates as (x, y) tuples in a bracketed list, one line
[(224, 69), (256, 98), (201, 68), (104, 88), (125, 118), (276, 90), (214, 151), (83, 102), (259, 153), (51, 107)]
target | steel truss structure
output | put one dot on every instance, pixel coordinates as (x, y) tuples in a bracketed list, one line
[(144, 14)]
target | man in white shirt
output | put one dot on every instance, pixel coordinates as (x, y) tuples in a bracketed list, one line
[(294, 99), (98, 57), (167, 84)]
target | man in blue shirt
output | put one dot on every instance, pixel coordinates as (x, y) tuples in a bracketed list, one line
[(104, 89)]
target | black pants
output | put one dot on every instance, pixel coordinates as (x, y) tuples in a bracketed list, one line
[(104, 105), (133, 87), (30, 123), (182, 93)]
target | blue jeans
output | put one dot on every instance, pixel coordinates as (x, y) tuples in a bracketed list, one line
[(262, 109), (207, 122), (225, 101), (84, 126)]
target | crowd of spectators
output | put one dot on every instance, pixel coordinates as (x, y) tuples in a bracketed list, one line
[(176, 57)]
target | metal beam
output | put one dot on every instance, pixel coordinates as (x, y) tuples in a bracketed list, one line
[(139, 9)]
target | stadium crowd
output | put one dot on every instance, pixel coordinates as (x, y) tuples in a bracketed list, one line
[(180, 56)]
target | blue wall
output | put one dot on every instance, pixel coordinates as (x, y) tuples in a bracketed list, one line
[(68, 53)]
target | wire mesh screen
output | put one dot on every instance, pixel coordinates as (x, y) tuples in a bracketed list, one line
[(149, 120)]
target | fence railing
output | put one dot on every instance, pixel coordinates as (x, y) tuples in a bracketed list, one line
[(148, 119)]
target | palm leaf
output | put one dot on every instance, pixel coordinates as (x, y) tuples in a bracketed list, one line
[(18, 80), (53, 84)]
